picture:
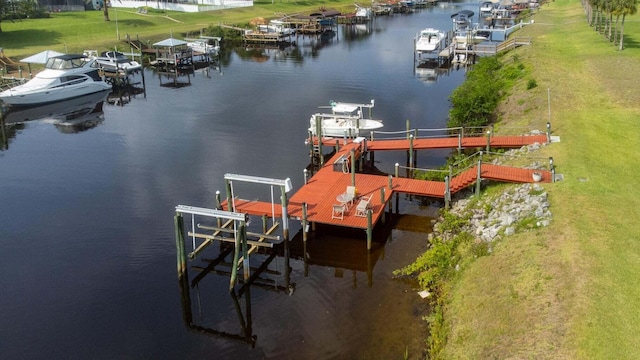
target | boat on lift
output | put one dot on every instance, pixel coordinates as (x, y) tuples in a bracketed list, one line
[(345, 120)]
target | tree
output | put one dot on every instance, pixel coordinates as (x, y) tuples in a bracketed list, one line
[(624, 8), (105, 9), (3, 6)]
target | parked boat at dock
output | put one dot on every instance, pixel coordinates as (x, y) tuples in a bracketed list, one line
[(429, 40), (64, 77), (345, 120), (115, 61), (465, 33), (204, 45)]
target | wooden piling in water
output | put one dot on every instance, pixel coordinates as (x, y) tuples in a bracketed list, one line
[(180, 250)]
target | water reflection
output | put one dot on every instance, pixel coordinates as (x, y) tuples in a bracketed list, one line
[(266, 276), (341, 249), (122, 95), (69, 116), (430, 70)]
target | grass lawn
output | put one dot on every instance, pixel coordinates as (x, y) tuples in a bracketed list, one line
[(74, 32), (569, 291)]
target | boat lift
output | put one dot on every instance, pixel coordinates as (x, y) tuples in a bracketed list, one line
[(230, 223)]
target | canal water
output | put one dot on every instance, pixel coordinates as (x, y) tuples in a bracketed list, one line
[(87, 246)]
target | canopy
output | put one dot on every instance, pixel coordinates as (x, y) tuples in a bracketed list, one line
[(170, 42), (41, 57)]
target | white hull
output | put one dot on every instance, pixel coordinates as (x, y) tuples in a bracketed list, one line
[(65, 77), (114, 66), (336, 126), (27, 97), (429, 40)]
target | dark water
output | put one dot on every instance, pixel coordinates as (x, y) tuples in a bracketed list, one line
[(87, 248)]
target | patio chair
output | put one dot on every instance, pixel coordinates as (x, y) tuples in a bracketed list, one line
[(338, 211), (363, 206), (351, 192)]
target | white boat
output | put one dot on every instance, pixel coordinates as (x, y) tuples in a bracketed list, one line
[(205, 45), (345, 120), (467, 37), (465, 33), (278, 27), (363, 13), (486, 7), (114, 61), (64, 77), (429, 40)]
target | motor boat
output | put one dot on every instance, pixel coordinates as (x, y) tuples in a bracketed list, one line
[(204, 45), (345, 120), (469, 36), (429, 40), (486, 7), (465, 33), (115, 61), (64, 77)]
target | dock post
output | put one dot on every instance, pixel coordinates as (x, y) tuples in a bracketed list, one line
[(382, 193), (181, 255), (391, 197), (408, 128), (305, 174), (218, 207), (285, 215), (305, 224), (397, 167), (264, 224), (460, 135), (488, 140), (369, 229), (234, 263), (312, 154), (548, 132), (245, 250), (218, 201), (229, 196), (410, 159), (447, 192), (353, 167), (4, 145), (319, 136), (553, 169), (478, 175)]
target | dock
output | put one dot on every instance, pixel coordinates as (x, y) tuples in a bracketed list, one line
[(320, 192), (340, 194)]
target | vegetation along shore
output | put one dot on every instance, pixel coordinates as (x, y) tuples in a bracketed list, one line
[(567, 290), (563, 286)]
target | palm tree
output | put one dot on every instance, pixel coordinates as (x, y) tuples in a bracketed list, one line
[(105, 9), (624, 8)]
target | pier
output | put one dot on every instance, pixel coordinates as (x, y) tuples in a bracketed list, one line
[(339, 194)]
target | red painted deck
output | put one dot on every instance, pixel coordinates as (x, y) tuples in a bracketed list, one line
[(321, 190)]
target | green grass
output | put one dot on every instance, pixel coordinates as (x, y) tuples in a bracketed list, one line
[(569, 291), (77, 31)]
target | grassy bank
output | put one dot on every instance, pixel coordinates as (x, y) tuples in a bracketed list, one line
[(570, 290), (77, 31)]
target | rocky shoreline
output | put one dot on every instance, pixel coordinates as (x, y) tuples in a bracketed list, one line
[(519, 208)]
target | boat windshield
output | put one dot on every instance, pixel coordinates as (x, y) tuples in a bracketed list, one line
[(56, 63)]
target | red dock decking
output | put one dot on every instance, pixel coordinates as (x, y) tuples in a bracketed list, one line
[(321, 191)]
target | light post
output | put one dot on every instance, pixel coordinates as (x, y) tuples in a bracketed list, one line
[(549, 102)]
